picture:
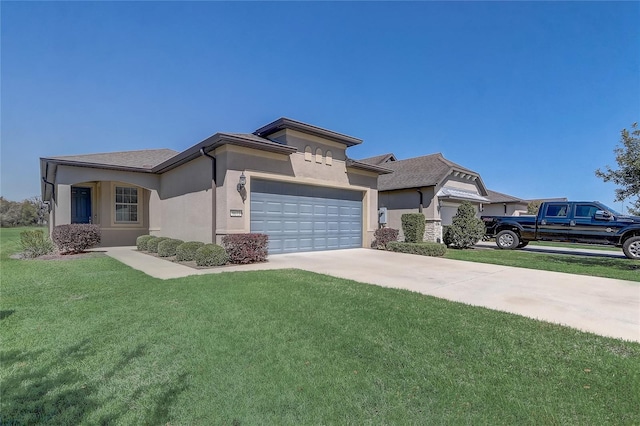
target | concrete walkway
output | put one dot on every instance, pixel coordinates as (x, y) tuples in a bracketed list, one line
[(603, 306)]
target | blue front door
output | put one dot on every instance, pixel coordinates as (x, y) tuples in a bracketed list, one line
[(80, 205)]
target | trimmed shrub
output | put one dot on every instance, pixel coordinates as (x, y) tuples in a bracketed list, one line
[(152, 244), (211, 255), (246, 248), (76, 238), (413, 227), (141, 242), (466, 229), (383, 236), (167, 248), (186, 252), (35, 243), (423, 249)]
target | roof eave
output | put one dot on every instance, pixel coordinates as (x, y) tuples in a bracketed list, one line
[(287, 123), (216, 141), (75, 163), (368, 167)]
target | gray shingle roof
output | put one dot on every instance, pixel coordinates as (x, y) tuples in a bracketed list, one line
[(142, 159), (379, 159), (498, 197), (417, 172)]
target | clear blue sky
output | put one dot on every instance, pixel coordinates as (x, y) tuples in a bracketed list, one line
[(532, 95)]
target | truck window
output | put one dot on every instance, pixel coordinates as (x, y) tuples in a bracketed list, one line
[(557, 210), (586, 210)]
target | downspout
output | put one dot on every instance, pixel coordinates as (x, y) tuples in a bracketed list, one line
[(213, 195), (53, 187)]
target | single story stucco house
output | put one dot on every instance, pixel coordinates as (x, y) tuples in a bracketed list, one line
[(290, 180), (435, 187)]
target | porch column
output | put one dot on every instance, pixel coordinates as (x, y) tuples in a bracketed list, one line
[(62, 210)]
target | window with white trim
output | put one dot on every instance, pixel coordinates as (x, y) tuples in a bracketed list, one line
[(126, 204)]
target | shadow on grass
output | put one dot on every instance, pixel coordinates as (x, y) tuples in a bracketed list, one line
[(604, 254), (41, 389), (594, 261), (7, 313)]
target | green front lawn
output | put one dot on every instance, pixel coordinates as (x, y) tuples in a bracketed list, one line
[(597, 266), (92, 341), (576, 246)]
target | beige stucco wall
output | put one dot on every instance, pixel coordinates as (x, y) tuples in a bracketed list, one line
[(184, 205), (403, 201), (233, 161), (116, 234), (103, 211), (71, 175), (460, 183), (302, 141), (498, 209)]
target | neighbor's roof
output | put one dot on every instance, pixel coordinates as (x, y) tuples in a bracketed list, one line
[(498, 197), (428, 170), (379, 159), (145, 159)]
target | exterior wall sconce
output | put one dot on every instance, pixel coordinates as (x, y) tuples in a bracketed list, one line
[(242, 182)]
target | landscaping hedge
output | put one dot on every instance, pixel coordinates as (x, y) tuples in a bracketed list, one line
[(76, 237), (186, 252), (152, 244), (167, 248), (423, 249), (383, 236), (413, 227), (211, 255), (246, 248), (35, 243), (141, 242)]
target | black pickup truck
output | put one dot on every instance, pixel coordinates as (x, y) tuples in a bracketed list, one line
[(577, 222)]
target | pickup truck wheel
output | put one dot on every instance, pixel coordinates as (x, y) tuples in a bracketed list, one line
[(523, 244), (631, 248), (507, 240)]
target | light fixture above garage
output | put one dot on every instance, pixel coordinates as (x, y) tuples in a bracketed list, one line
[(242, 182)]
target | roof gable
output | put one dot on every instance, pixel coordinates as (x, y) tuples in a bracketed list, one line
[(417, 172), (379, 159)]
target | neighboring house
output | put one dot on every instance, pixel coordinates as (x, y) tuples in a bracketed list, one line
[(431, 185), (504, 205), (435, 187), (290, 180)]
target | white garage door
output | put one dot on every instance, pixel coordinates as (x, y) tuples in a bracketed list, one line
[(305, 218)]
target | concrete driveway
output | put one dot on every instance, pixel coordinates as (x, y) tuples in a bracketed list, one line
[(603, 306)]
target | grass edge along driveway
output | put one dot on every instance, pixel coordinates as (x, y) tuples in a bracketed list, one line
[(93, 341), (593, 265)]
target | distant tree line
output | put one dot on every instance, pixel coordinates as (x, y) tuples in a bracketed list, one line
[(30, 212)]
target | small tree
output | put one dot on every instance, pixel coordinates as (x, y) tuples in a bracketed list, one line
[(466, 229), (627, 176), (533, 207)]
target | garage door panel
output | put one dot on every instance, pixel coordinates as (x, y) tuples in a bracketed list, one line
[(305, 218), (305, 209), (290, 208)]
